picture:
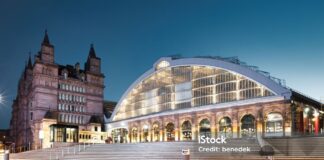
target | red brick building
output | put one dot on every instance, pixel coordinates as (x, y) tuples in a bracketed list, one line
[(58, 103)]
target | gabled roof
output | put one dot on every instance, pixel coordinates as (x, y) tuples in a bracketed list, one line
[(96, 119)]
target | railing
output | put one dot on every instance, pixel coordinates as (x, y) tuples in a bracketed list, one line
[(56, 152)]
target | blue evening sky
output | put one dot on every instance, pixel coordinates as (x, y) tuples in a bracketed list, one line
[(284, 37)]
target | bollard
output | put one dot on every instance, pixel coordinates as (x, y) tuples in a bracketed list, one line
[(74, 149), (79, 148), (186, 154)]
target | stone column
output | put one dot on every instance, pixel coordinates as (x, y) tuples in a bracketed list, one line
[(129, 133), (235, 128), (177, 129), (161, 134), (194, 128), (259, 127)]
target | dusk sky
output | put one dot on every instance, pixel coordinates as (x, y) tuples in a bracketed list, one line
[(285, 38)]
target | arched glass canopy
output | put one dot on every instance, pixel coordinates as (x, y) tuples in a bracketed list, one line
[(178, 87)]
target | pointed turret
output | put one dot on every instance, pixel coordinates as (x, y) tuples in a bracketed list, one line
[(92, 52), (46, 53), (46, 39), (93, 63)]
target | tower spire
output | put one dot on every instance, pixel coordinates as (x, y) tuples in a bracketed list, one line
[(92, 53), (46, 39)]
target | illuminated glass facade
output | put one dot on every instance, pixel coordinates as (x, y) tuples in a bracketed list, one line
[(178, 87), (181, 99)]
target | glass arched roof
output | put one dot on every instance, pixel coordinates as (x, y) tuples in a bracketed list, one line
[(183, 85)]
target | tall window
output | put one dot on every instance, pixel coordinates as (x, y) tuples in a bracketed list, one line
[(31, 116)]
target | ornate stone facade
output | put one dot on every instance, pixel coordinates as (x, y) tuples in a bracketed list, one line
[(54, 102)]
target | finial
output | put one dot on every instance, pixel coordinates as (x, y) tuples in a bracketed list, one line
[(92, 53), (46, 39)]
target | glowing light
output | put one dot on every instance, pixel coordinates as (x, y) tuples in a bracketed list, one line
[(163, 64), (306, 110), (1, 99), (145, 127), (316, 114)]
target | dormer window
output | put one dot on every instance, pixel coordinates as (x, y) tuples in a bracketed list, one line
[(65, 74)]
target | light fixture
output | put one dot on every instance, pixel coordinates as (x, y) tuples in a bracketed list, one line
[(1, 99), (316, 114)]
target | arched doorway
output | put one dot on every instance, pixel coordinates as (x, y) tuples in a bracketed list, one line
[(248, 126), (186, 131), (156, 132), (119, 135), (204, 128), (274, 125), (134, 135), (170, 133), (145, 133), (225, 127)]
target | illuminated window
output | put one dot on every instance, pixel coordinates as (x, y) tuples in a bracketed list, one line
[(162, 64)]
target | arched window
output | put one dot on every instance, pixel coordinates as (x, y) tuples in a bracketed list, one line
[(145, 133), (156, 132), (248, 126), (204, 128), (225, 127), (274, 124), (170, 133), (134, 137), (186, 130)]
